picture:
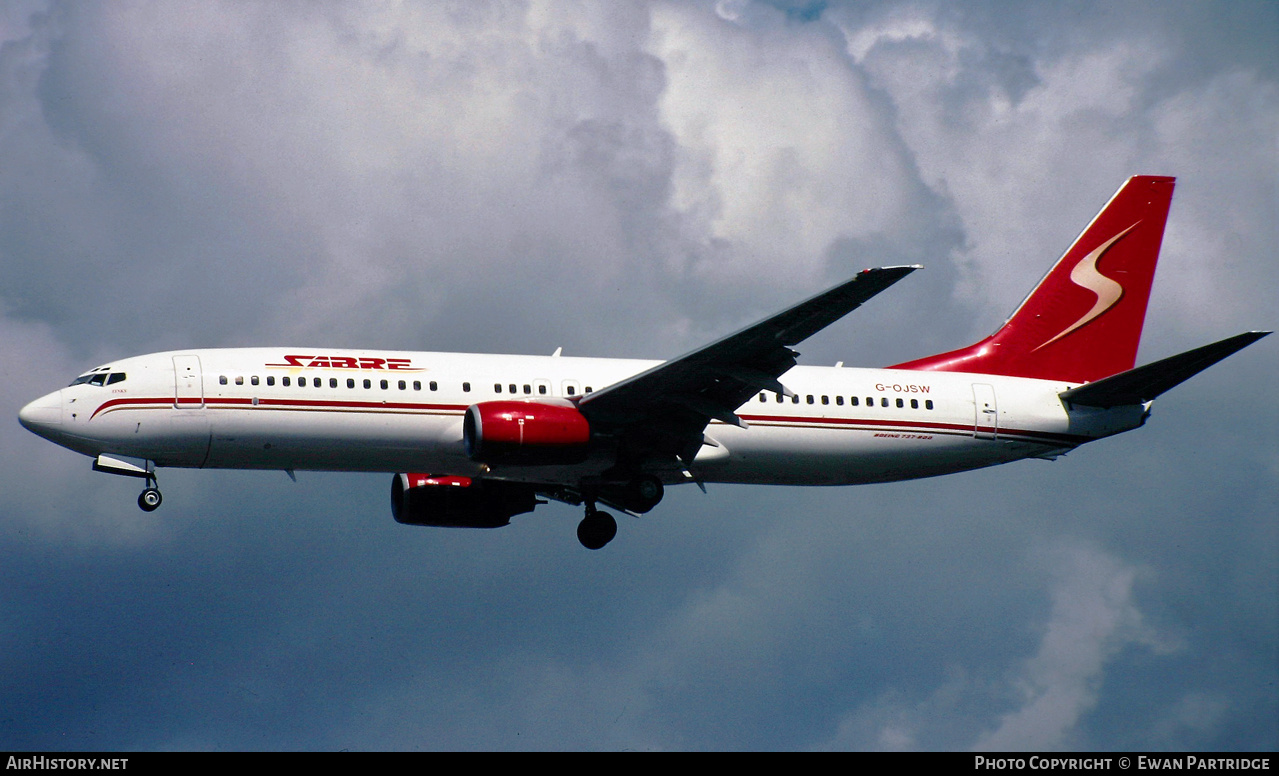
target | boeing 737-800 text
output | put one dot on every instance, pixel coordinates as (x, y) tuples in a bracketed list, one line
[(477, 439)]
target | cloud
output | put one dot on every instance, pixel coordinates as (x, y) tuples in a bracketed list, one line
[(1093, 617), (992, 122)]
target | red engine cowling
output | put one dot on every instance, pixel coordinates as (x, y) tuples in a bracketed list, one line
[(526, 432), (458, 502)]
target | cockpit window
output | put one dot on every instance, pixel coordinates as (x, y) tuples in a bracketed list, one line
[(100, 378)]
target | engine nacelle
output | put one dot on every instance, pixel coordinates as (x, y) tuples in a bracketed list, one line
[(526, 432), (458, 502)]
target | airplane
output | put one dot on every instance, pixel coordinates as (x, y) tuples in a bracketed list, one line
[(473, 440)]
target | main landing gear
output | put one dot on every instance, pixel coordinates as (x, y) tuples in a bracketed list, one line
[(643, 493), (636, 496), (596, 529)]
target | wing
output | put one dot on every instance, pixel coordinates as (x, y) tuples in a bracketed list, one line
[(662, 412)]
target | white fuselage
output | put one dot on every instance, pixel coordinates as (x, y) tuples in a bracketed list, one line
[(337, 410)]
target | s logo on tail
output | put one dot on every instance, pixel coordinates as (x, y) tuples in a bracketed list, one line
[(1085, 275), (1079, 325)]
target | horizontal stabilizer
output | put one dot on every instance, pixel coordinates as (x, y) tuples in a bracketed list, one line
[(1146, 382)]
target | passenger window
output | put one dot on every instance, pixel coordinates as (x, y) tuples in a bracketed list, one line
[(883, 402), (270, 379), (794, 399), (403, 385), (589, 389), (763, 398), (928, 404), (810, 398), (497, 387), (780, 398), (572, 391), (852, 401), (333, 382), (900, 404), (541, 389), (528, 388), (825, 400), (285, 382), (254, 379), (368, 383), (914, 404), (512, 388), (239, 380), (417, 385), (384, 384), (466, 387), (870, 401), (315, 381), (301, 382), (434, 386), (839, 400), (221, 380), (350, 382)]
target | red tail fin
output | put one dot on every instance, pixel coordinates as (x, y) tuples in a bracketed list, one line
[(1083, 321)]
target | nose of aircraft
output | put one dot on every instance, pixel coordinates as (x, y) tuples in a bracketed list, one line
[(42, 416)]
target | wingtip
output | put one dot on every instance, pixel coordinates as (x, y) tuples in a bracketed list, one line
[(893, 268), (1252, 336)]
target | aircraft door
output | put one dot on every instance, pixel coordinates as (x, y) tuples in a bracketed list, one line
[(184, 434), (188, 383), (986, 412)]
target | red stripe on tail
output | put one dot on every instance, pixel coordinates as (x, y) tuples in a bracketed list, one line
[(1083, 321)]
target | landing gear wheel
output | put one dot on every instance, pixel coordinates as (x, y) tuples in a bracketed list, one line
[(596, 529), (150, 499), (644, 493)]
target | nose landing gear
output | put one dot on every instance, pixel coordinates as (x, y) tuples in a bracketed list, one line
[(149, 500), (150, 497)]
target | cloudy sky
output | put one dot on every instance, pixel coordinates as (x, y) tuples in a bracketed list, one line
[(634, 180)]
